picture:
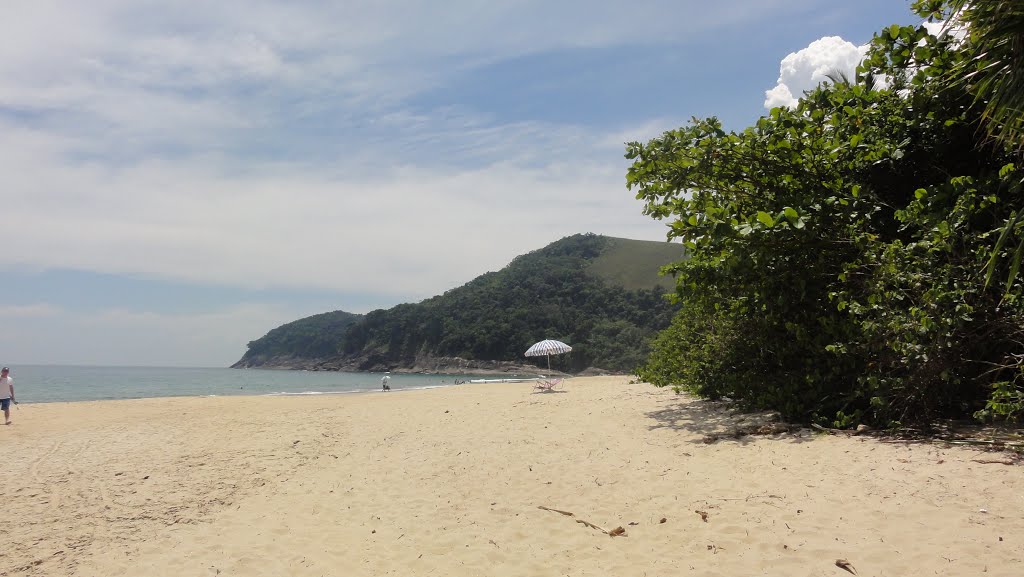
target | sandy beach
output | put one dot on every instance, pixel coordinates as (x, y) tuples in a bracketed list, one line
[(449, 482)]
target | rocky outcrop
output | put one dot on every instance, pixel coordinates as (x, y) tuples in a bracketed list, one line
[(283, 362), (596, 372), (460, 366), (378, 363)]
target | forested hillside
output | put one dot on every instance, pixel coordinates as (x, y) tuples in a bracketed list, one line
[(314, 337), (574, 290), (856, 259)]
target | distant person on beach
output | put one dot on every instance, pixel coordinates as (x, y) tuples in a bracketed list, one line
[(6, 394), (384, 386)]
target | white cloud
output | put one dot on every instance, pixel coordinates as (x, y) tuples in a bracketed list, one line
[(954, 27), (31, 311), (126, 147), (805, 69), (77, 54), (259, 143), (406, 230)]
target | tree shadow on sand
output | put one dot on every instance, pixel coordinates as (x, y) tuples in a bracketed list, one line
[(713, 421)]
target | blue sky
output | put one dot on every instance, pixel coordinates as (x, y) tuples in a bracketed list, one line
[(178, 178)]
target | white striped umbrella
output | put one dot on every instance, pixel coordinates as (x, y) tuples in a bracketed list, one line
[(547, 348)]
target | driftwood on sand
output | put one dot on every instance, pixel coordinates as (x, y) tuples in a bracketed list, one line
[(616, 532)]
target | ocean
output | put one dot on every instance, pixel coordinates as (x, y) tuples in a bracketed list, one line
[(55, 383)]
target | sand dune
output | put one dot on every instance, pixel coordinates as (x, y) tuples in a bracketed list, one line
[(449, 481)]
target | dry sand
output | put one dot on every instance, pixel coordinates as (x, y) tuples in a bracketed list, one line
[(447, 482)]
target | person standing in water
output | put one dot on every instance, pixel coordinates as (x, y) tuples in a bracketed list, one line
[(6, 394), (384, 386)]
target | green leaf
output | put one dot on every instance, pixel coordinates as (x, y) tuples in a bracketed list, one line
[(765, 218), (994, 256), (1014, 267), (920, 193)]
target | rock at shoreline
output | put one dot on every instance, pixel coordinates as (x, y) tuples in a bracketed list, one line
[(423, 365)]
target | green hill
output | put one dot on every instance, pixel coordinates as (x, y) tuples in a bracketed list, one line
[(309, 339), (602, 295)]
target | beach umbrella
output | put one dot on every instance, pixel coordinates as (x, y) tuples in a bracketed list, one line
[(546, 348)]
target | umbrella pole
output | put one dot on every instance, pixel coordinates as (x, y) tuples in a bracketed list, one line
[(549, 362)]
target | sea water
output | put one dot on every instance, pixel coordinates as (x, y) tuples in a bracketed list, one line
[(53, 383)]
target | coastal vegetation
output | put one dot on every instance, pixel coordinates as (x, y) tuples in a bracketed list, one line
[(856, 259), (602, 295), (314, 337)]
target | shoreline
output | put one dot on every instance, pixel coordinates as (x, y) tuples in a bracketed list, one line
[(234, 396), (453, 371), (43, 384), (456, 366), (449, 481), (277, 393)]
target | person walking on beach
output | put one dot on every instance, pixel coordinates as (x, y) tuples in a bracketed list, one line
[(384, 382), (6, 394)]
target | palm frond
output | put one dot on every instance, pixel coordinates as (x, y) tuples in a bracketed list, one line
[(995, 70)]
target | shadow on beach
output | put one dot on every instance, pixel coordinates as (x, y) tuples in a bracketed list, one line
[(717, 421)]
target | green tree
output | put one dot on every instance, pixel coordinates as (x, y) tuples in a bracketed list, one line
[(993, 71), (838, 249)]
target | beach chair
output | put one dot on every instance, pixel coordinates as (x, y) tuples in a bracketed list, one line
[(547, 385)]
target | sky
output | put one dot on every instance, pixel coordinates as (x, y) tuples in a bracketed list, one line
[(178, 178)]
